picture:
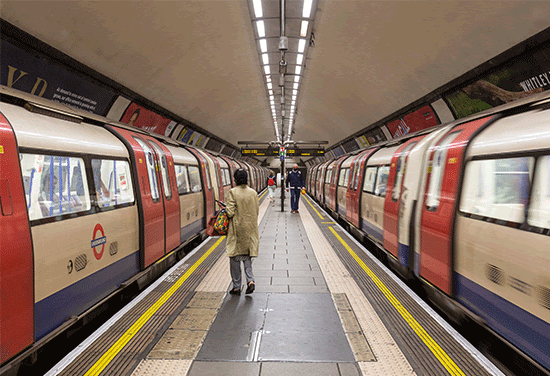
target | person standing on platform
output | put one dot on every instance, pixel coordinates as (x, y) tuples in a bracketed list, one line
[(295, 181), (271, 185), (242, 235)]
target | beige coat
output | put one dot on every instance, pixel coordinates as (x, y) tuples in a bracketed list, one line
[(242, 209)]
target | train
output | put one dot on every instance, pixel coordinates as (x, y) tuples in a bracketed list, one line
[(463, 209), (89, 204)]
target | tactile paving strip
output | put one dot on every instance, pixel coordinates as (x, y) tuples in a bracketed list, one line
[(126, 358), (156, 367), (389, 358), (453, 357)]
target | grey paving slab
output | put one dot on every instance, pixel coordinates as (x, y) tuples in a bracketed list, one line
[(302, 369), (273, 273), (349, 369), (199, 368), (308, 281), (300, 320), (305, 273), (296, 289), (271, 289), (245, 312), (293, 267), (319, 281), (227, 346), (305, 346)]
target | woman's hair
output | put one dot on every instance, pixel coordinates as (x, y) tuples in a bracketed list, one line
[(271, 172), (241, 176)]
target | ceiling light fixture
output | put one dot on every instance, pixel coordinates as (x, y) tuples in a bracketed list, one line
[(303, 29), (261, 29), (265, 58), (307, 8), (301, 45), (267, 70), (296, 78), (258, 8), (263, 45), (269, 85), (299, 59)]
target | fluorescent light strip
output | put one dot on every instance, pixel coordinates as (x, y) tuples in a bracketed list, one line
[(294, 97), (307, 8), (294, 92), (263, 45), (299, 59), (298, 69), (265, 59), (296, 78), (303, 30), (296, 85), (269, 85), (258, 8), (301, 45), (261, 29), (267, 70)]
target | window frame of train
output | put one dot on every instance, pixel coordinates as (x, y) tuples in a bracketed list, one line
[(188, 178), (151, 169), (226, 177), (536, 159), (87, 183)]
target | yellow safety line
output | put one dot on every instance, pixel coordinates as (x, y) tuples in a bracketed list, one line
[(320, 216), (439, 353), (104, 361), (328, 223), (263, 194)]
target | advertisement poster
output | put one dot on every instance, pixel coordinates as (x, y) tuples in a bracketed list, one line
[(420, 119), (143, 118), (30, 73), (523, 77)]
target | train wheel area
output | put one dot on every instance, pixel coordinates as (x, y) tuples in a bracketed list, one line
[(322, 306)]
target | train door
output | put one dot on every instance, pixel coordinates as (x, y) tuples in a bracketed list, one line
[(334, 183), (354, 192), (152, 239), (206, 185), (438, 208), (16, 268), (170, 197), (219, 172), (393, 201)]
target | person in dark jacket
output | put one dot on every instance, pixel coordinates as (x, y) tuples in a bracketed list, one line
[(295, 181)]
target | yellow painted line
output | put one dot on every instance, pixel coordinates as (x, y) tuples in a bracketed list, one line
[(320, 216), (439, 353), (164, 257), (263, 194), (104, 361), (328, 223)]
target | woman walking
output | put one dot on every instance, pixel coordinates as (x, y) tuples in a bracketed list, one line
[(271, 185), (242, 235)]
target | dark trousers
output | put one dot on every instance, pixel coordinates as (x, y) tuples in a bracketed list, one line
[(294, 198)]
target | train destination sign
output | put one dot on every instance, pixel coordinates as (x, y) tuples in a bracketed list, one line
[(297, 152)]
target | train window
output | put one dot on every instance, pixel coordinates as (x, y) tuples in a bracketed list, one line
[(112, 182), (227, 176), (497, 188), (346, 178), (370, 179), (357, 175), (400, 171), (182, 179), (342, 177), (539, 207), (382, 181), (208, 181), (195, 179), (329, 175), (151, 171), (163, 171), (54, 185), (437, 171)]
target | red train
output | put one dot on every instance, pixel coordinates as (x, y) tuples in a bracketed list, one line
[(88, 204), (465, 209)]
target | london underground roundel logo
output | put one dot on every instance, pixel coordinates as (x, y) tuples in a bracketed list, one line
[(99, 239)]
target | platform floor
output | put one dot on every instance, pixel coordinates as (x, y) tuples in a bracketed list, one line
[(322, 306)]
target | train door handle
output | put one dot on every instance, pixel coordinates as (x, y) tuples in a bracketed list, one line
[(6, 202), (376, 218)]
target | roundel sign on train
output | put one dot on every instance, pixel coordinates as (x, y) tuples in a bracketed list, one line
[(98, 241)]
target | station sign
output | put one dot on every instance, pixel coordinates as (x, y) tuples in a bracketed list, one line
[(260, 152), (309, 152), (296, 152)]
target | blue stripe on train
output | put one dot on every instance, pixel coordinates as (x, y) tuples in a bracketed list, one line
[(190, 230), (523, 329), (372, 231), (51, 312), (403, 253), (342, 210)]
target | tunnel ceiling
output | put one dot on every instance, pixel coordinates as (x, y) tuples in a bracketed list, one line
[(199, 59)]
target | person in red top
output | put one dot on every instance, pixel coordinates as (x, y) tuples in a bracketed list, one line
[(271, 185)]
